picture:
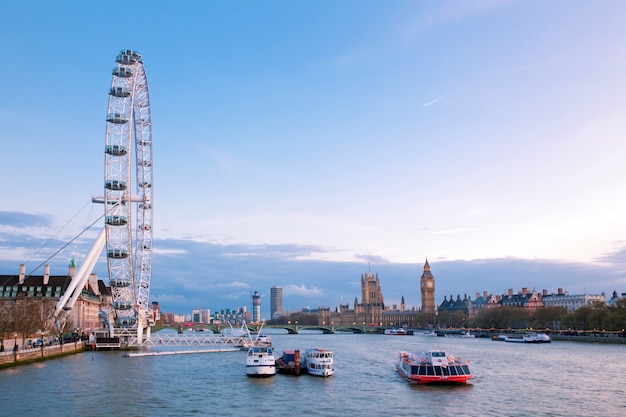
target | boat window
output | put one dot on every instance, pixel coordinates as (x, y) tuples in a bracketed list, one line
[(444, 370), (414, 369), (429, 370), (452, 370), (466, 369), (438, 354), (422, 370), (437, 370)]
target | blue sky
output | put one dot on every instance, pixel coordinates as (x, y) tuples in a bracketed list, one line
[(296, 141)]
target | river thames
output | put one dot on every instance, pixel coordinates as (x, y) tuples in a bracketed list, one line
[(511, 379)]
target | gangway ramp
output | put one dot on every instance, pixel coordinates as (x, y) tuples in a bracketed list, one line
[(191, 340)]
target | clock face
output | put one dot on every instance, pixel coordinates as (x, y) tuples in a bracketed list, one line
[(429, 284)]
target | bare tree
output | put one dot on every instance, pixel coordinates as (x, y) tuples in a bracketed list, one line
[(60, 324), (7, 322)]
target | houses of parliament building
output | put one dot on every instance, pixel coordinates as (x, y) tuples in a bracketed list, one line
[(372, 310)]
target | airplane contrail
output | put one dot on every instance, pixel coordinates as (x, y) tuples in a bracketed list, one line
[(435, 100)]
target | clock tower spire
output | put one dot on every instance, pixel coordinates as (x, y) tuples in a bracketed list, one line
[(427, 286)]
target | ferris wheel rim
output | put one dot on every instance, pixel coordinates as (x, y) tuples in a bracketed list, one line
[(128, 233)]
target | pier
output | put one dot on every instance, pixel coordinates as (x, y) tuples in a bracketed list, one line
[(179, 352)]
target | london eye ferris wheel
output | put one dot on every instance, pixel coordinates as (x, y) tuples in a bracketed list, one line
[(128, 184)]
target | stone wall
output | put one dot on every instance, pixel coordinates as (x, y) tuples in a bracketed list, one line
[(9, 358)]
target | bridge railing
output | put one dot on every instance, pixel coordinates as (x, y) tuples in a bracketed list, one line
[(190, 340)]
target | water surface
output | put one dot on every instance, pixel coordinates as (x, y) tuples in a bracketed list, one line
[(512, 379)]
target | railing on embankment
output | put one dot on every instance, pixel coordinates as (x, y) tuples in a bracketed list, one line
[(17, 357)]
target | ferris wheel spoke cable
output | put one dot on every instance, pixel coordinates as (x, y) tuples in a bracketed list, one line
[(65, 246), (55, 235)]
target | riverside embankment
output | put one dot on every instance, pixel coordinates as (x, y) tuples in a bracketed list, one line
[(24, 356)]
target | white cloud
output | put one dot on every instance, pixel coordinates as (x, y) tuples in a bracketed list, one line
[(302, 290)]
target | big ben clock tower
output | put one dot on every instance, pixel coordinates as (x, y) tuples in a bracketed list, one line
[(427, 285)]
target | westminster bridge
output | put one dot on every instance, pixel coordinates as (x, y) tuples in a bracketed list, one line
[(290, 328)]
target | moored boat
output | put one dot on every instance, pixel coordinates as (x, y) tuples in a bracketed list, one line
[(319, 361), (462, 334), (537, 338), (398, 332), (290, 363), (430, 333), (260, 361), (514, 338), (530, 337), (433, 367)]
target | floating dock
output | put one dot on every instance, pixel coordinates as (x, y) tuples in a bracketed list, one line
[(179, 352)]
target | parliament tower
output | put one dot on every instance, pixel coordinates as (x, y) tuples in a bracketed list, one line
[(427, 286)]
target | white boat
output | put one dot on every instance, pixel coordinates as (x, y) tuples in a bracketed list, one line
[(514, 338), (527, 338), (430, 333), (260, 361), (539, 338), (466, 335), (259, 340), (398, 332), (319, 362), (433, 367)]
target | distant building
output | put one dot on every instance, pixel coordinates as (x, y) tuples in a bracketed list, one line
[(233, 316), (486, 301), (571, 302), (615, 298), (201, 316), (85, 314), (171, 318), (459, 305), (373, 302), (276, 302), (256, 307), (530, 300), (372, 311), (427, 287)]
